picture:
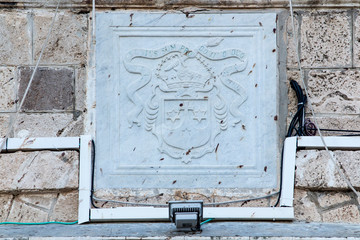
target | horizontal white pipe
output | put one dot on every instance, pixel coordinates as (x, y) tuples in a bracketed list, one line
[(336, 142), (41, 143), (218, 213)]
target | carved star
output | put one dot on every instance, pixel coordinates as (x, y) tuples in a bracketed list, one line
[(173, 115), (199, 115), (186, 131)]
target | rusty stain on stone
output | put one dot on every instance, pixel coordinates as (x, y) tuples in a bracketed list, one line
[(216, 149), (250, 72)]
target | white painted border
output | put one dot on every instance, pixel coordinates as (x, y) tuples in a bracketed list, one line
[(218, 213), (41, 143), (85, 175), (285, 212)]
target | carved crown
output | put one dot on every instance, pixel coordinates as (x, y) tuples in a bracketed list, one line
[(177, 73)]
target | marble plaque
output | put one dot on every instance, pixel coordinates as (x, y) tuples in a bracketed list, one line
[(186, 101)]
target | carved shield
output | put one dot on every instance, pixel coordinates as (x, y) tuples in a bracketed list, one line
[(187, 124)]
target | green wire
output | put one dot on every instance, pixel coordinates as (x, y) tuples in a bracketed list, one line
[(40, 223), (206, 221)]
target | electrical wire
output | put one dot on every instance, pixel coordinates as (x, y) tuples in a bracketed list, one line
[(40, 223), (11, 125), (206, 221), (299, 117), (332, 155), (240, 200), (165, 205), (92, 174)]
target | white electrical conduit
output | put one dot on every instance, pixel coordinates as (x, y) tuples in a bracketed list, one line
[(11, 125), (331, 154)]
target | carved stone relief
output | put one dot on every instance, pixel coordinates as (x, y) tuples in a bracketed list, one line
[(186, 102), (186, 110)]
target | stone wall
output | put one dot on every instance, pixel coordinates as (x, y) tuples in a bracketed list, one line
[(42, 186)]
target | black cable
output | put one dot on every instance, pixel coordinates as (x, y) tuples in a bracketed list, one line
[(92, 174), (299, 117), (281, 168)]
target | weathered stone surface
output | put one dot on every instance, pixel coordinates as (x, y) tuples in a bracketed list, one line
[(66, 207), (51, 89), (43, 200), (326, 199), (290, 40), (39, 170), (356, 40), (305, 207), (326, 39), (5, 203), (4, 124), (22, 212), (338, 122), (80, 89), (334, 91), (15, 40), (163, 4), (349, 214), (48, 125), (163, 196), (67, 43), (8, 83), (315, 170)]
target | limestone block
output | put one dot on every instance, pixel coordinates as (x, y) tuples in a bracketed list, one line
[(43, 200), (4, 124), (48, 125), (39, 170), (326, 39), (80, 89), (67, 43), (15, 38), (8, 84), (290, 40), (5, 203), (356, 46), (335, 91), (315, 170), (51, 89), (339, 122), (66, 207), (22, 212), (348, 214), (305, 207), (327, 199)]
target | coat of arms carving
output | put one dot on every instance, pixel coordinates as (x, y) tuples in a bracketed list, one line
[(186, 110)]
